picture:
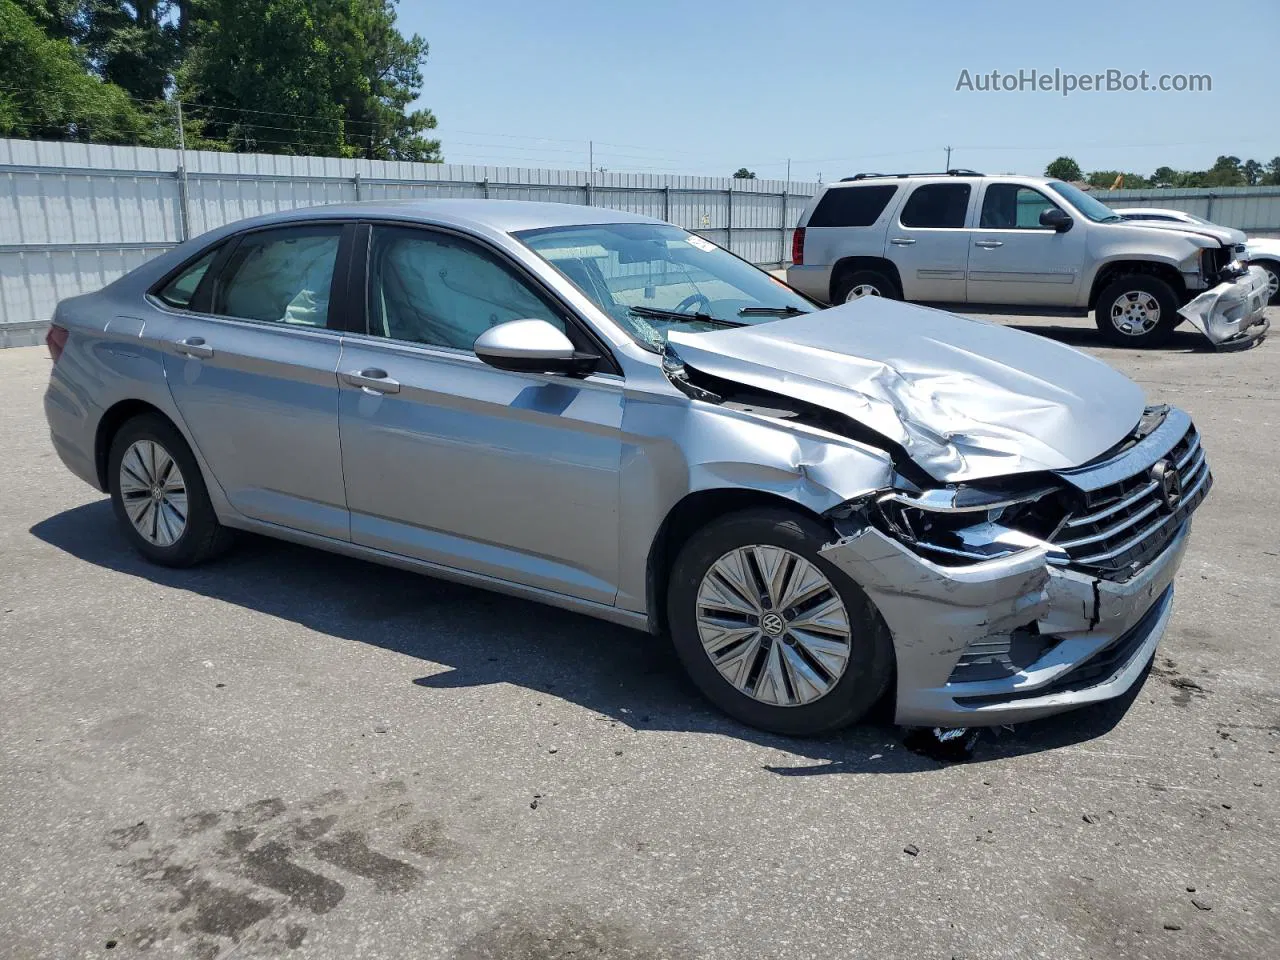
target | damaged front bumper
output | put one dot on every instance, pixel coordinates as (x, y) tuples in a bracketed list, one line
[(1232, 314), (1012, 639)]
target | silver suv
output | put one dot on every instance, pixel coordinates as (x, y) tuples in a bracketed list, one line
[(1043, 246)]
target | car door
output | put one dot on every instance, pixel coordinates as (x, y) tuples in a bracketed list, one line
[(251, 361), (1014, 260), (928, 244), (507, 475)]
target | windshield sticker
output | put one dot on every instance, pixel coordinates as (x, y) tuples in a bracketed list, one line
[(704, 245)]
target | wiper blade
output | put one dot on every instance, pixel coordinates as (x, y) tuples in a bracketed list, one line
[(657, 314), (787, 311)]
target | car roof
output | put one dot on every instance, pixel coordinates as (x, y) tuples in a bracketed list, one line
[(506, 216), (870, 179)]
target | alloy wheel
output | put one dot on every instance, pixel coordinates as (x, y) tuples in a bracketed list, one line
[(154, 493), (1135, 313), (863, 290), (773, 625)]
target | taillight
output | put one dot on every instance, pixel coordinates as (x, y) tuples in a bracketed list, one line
[(56, 339), (797, 247)]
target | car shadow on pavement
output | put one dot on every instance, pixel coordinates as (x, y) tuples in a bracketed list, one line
[(482, 638), (1182, 340)]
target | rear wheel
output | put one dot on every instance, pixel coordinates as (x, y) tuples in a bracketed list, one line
[(1137, 310), (159, 495), (772, 633), (856, 284)]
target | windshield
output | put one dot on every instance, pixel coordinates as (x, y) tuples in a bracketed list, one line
[(653, 277), (1090, 207)]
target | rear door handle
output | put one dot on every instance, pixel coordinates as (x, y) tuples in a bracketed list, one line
[(901, 241), (988, 244), (373, 379), (194, 347)]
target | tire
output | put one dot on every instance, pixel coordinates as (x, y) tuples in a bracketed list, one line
[(199, 536), (851, 281), (1273, 278), (849, 693), (1136, 291)]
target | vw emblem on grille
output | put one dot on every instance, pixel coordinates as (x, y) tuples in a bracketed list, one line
[(1168, 484)]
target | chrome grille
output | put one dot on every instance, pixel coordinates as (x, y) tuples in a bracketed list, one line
[(1122, 525)]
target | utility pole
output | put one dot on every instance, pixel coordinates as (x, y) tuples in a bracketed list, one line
[(788, 174), (948, 166), (591, 171), (182, 137), (184, 205)]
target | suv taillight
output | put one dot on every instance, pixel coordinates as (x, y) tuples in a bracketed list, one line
[(797, 247), (55, 340)]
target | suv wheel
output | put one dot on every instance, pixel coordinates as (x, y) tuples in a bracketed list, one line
[(864, 283), (159, 495), (770, 632), (1137, 310), (1272, 269)]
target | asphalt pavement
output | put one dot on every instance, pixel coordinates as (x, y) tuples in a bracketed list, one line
[(290, 754)]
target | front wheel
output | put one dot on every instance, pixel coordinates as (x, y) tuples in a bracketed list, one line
[(1137, 310), (1272, 269), (772, 633)]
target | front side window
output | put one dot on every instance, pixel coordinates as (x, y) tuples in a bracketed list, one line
[(443, 291), (280, 276), (1091, 208), (1008, 206), (938, 205), (653, 277)]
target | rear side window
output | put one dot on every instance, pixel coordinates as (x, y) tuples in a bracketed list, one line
[(280, 276), (852, 206), (937, 205), (179, 291)]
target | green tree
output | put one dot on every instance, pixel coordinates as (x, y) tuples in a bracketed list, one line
[(742, 173), (1252, 171), (331, 77), (1225, 172), (1272, 177), (133, 44), (1103, 179), (1064, 168), (58, 99)]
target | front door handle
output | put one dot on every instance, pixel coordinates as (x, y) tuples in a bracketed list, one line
[(901, 241), (373, 379), (194, 347), (988, 244)]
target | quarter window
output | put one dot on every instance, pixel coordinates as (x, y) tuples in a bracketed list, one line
[(280, 276), (443, 291), (937, 205), (852, 206), (1007, 206), (179, 291)]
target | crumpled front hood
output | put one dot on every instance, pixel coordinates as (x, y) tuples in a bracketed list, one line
[(964, 398)]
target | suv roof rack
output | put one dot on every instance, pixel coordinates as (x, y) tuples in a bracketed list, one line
[(956, 172)]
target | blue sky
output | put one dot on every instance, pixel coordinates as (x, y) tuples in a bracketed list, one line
[(706, 86)]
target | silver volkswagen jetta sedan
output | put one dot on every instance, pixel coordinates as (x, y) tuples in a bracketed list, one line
[(603, 412)]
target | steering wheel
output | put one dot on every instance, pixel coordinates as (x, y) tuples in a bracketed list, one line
[(692, 299)]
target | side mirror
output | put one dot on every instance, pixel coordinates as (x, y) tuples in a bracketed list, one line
[(1058, 219), (532, 346)]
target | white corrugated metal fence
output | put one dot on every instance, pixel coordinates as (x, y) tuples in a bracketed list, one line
[(75, 216)]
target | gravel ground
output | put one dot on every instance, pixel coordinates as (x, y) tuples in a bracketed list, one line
[(292, 754)]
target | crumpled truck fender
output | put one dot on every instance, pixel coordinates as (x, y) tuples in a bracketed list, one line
[(1232, 314)]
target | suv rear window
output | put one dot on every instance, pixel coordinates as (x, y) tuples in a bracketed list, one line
[(937, 205), (852, 206)]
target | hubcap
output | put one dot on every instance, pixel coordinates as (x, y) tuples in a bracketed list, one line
[(154, 493), (1273, 283), (863, 290), (773, 625), (1135, 313)]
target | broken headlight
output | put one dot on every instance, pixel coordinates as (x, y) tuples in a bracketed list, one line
[(969, 524)]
